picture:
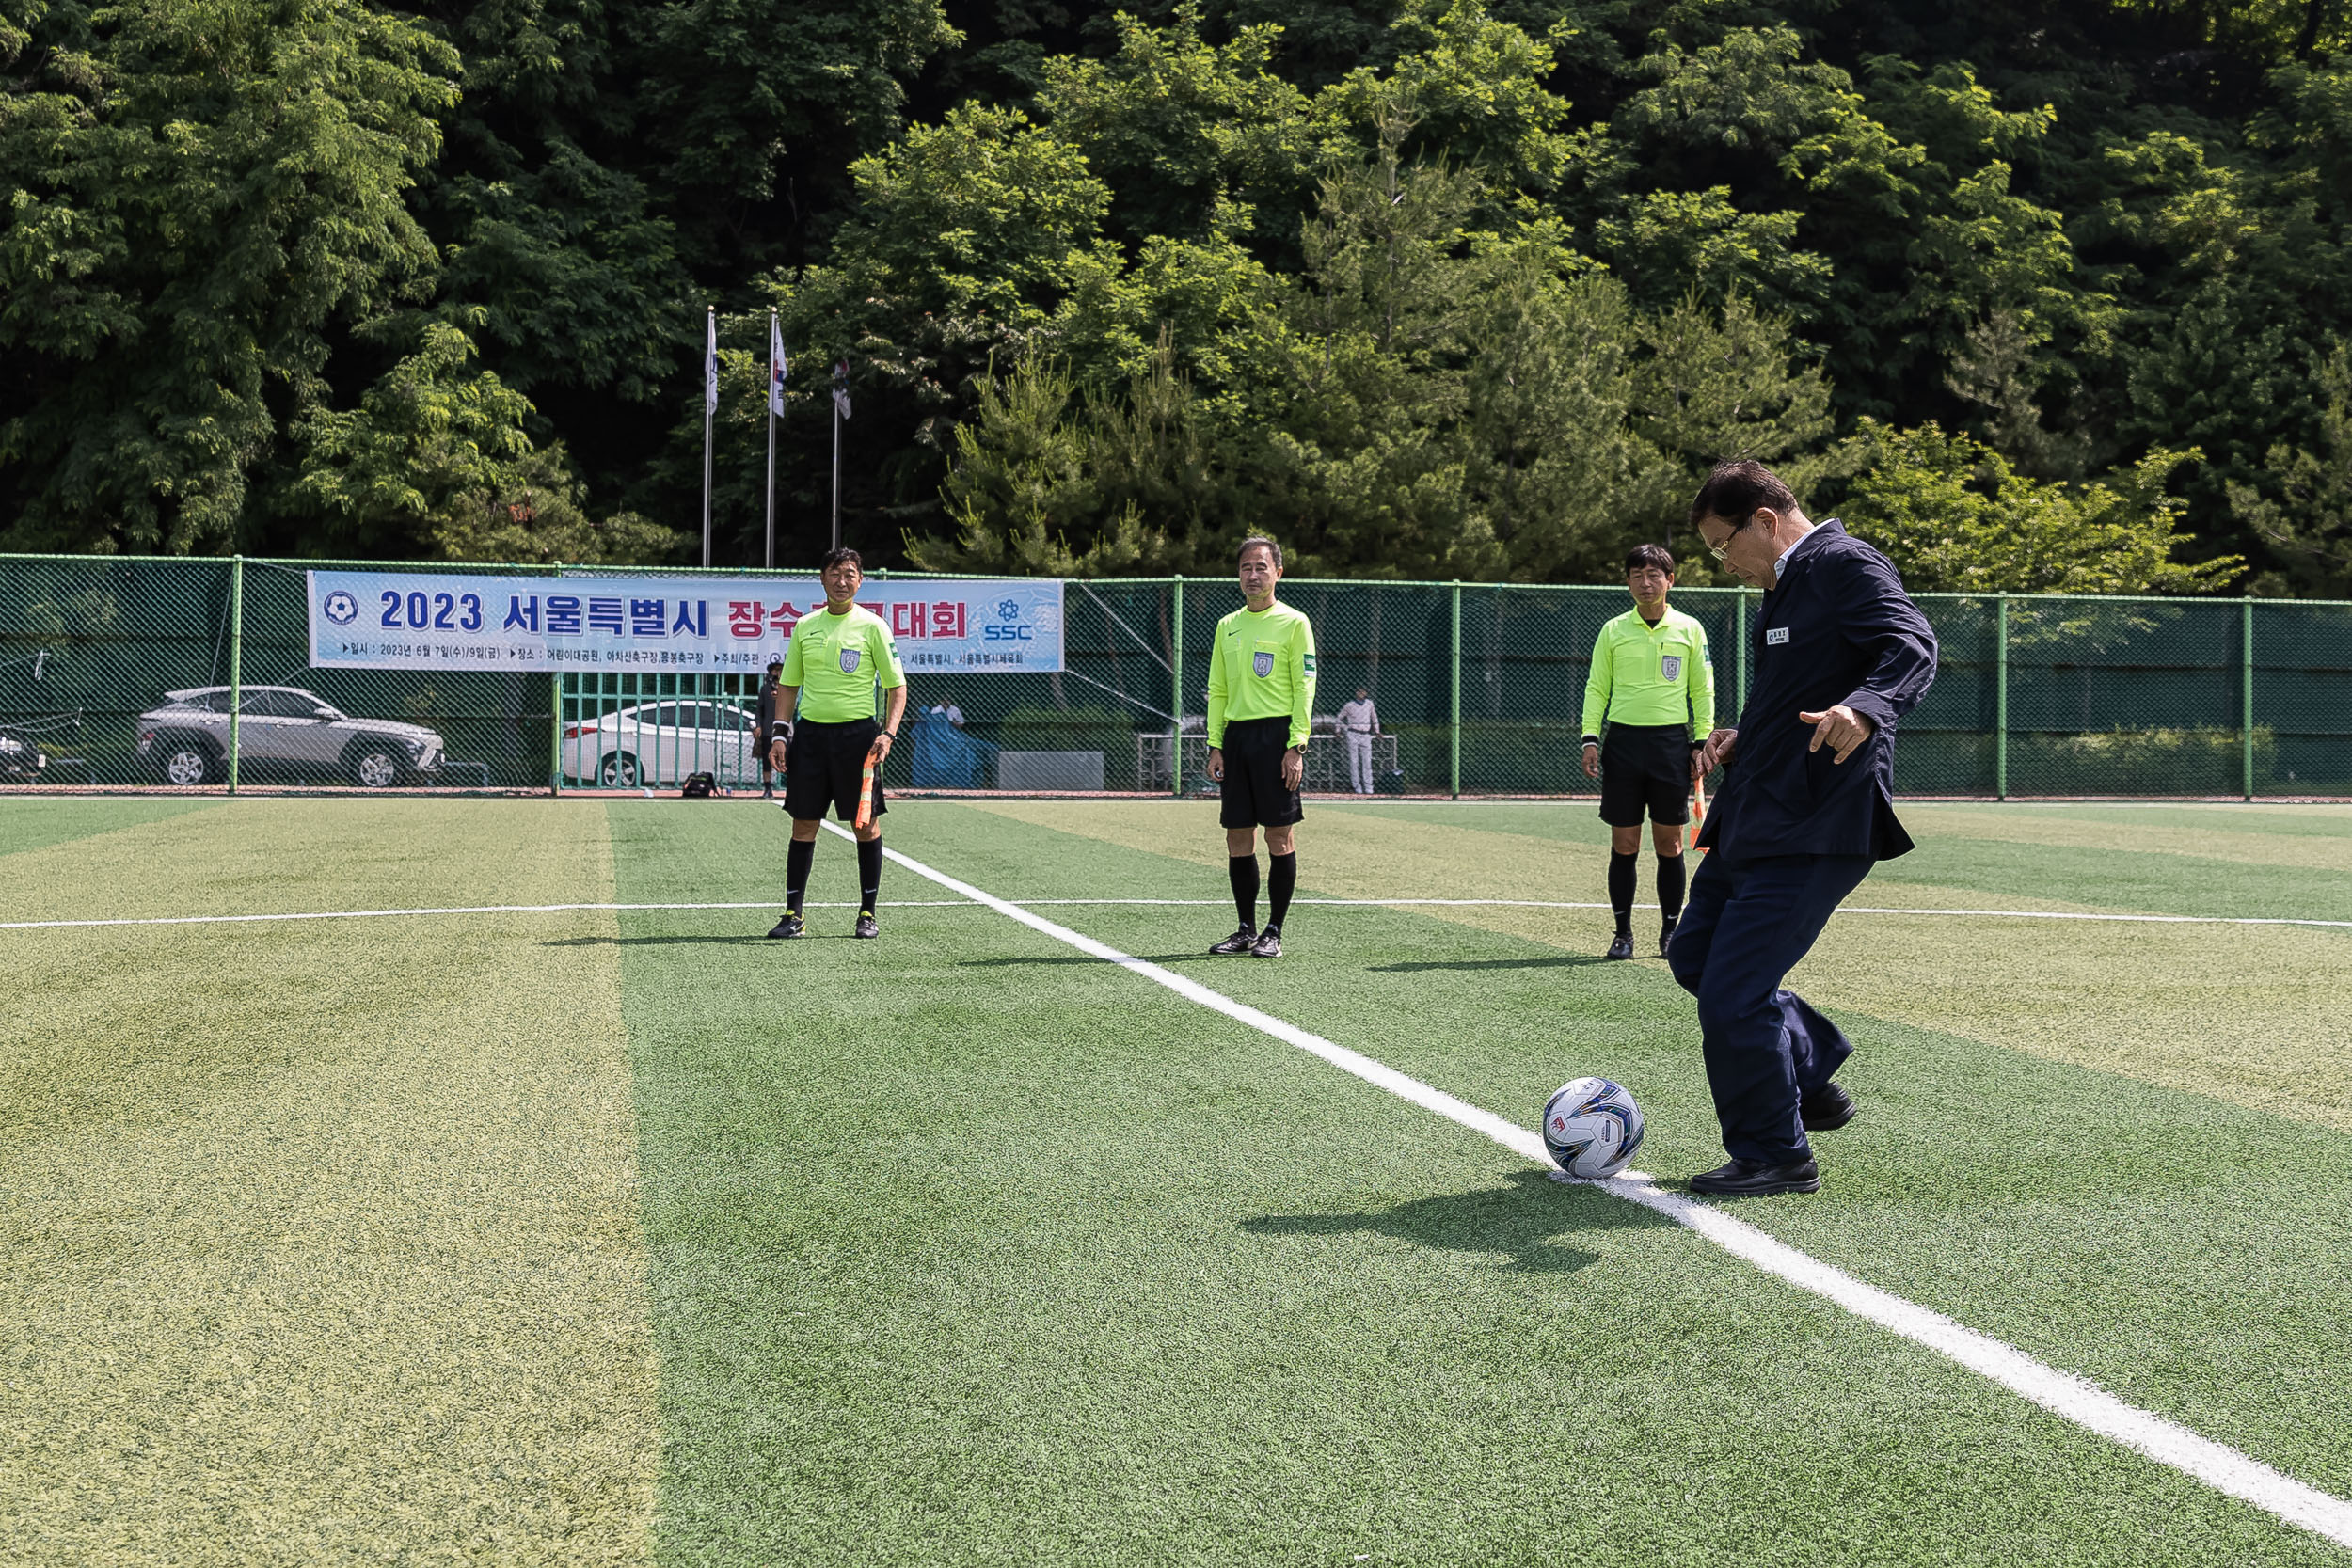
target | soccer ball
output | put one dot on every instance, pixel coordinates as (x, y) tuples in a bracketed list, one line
[(1591, 1128)]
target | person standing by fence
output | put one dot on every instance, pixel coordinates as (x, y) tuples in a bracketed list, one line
[(767, 722), (1360, 725), (1652, 689), (1261, 701)]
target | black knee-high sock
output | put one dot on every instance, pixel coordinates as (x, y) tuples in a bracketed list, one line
[(1621, 890), (1243, 871), (869, 874), (1670, 872), (796, 864), (1282, 877)]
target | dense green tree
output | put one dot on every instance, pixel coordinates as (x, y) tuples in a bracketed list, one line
[(203, 198), (326, 275)]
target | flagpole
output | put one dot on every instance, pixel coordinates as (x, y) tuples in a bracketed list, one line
[(838, 380), (710, 407), (770, 560)]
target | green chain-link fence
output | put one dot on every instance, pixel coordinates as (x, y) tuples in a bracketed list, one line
[(1479, 690)]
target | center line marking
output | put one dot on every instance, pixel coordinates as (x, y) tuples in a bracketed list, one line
[(2063, 1394)]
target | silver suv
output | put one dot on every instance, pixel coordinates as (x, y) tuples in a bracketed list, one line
[(280, 729)]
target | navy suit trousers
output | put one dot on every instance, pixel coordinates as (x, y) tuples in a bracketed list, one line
[(1744, 928)]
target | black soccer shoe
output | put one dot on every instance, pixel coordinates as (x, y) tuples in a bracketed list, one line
[(1665, 937), (865, 929), (1240, 942), (1622, 947), (1754, 1179), (788, 926), (1269, 943), (1827, 1109)]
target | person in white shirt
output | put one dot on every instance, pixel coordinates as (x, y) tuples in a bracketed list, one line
[(1358, 723)]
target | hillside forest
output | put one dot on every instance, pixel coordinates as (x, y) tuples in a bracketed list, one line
[(2040, 297)]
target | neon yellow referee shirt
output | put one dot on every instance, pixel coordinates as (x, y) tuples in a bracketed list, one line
[(1263, 666), (1645, 675), (837, 660)]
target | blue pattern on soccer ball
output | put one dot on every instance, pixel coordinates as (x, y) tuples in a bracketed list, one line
[(1570, 1134)]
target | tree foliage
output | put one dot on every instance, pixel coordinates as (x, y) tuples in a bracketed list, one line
[(1427, 287)]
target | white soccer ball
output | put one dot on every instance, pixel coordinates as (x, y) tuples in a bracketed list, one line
[(1591, 1128)]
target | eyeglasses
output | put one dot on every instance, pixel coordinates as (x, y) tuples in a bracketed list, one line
[(1718, 551)]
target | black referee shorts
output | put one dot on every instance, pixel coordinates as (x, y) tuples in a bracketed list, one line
[(1254, 795), (1646, 766), (824, 763)]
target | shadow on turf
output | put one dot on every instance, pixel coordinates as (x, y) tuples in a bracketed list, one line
[(1550, 960), (755, 938), (1518, 1221)]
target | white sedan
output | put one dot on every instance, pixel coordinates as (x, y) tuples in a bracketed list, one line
[(658, 743)]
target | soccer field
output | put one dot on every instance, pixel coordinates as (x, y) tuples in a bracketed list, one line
[(501, 1224)]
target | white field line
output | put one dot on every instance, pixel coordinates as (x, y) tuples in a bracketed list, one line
[(1168, 903), (2062, 1394)]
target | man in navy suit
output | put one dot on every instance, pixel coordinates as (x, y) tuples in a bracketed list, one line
[(1839, 654)]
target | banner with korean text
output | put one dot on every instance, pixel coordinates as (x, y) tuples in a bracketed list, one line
[(453, 620)]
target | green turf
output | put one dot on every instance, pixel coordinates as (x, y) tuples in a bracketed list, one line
[(33, 824), (1159, 1290), (2113, 874), (339, 1240)]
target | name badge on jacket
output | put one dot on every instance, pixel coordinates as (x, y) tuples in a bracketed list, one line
[(1777, 636)]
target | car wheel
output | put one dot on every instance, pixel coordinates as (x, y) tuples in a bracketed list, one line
[(376, 768), (618, 771), (183, 760)]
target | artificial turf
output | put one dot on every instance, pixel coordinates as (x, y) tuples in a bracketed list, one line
[(547, 1237)]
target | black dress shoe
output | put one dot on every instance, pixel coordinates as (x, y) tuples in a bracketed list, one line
[(1827, 1109), (1754, 1179), (1622, 947), (1240, 942)]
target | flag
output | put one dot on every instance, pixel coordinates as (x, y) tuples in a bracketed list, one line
[(777, 366), (710, 361), (841, 389)]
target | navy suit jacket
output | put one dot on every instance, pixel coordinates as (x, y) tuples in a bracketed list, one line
[(1837, 628)]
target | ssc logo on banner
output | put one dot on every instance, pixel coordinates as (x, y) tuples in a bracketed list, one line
[(1262, 664)]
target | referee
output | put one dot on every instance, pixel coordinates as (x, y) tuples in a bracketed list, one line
[(1262, 693), (1654, 690), (837, 658)]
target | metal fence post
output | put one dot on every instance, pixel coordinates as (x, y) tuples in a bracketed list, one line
[(2001, 698), (236, 663), (555, 723), (1176, 703), (2246, 696), (1456, 770), (1739, 624)]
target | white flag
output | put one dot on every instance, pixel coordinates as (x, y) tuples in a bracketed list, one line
[(777, 366), (710, 362), (841, 389)]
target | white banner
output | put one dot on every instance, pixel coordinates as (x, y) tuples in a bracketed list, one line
[(452, 621)]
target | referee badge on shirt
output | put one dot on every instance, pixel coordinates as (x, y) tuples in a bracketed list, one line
[(1261, 664), (848, 661), (1669, 667)]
